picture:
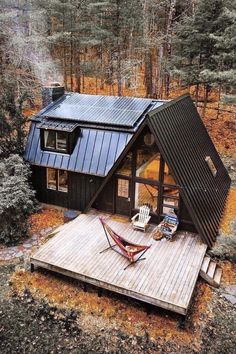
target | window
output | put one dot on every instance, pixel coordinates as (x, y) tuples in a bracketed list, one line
[(57, 180), (123, 188), (168, 178), (211, 165), (146, 194), (55, 140), (148, 163), (170, 199), (62, 181), (51, 178)]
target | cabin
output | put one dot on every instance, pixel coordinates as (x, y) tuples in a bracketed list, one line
[(116, 154), (107, 155)]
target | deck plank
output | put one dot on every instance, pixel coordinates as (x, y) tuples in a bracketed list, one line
[(166, 278)]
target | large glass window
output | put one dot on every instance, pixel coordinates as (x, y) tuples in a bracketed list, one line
[(55, 140), (168, 178), (146, 194), (57, 180), (126, 166), (170, 199), (148, 163)]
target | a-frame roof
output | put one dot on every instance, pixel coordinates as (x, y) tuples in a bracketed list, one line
[(185, 145)]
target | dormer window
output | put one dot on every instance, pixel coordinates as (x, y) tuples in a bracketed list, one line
[(55, 140), (58, 136)]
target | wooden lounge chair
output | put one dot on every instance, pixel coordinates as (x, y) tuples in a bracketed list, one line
[(141, 219), (127, 249)]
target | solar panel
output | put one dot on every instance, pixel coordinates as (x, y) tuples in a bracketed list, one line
[(93, 109)]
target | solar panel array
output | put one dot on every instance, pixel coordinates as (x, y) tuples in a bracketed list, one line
[(94, 109)]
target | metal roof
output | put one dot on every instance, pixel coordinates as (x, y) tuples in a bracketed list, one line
[(95, 152), (57, 125), (184, 143), (100, 110)]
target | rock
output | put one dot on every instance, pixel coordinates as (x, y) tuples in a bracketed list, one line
[(34, 237), (231, 289), (27, 245), (19, 254), (230, 298), (48, 229)]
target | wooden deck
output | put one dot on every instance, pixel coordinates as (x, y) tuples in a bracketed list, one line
[(166, 278)]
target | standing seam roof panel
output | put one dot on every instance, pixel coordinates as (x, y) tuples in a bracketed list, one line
[(184, 143), (95, 151)]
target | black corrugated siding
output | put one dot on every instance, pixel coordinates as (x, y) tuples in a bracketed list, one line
[(81, 188), (184, 143)]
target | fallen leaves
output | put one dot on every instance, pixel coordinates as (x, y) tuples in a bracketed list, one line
[(128, 315), (44, 219), (229, 212), (228, 273)]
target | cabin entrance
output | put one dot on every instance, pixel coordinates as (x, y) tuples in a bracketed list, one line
[(122, 200)]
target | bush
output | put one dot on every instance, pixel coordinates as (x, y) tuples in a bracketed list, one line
[(225, 248), (17, 199)]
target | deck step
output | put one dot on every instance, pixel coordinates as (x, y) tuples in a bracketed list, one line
[(205, 264), (217, 276), (211, 272), (211, 269)]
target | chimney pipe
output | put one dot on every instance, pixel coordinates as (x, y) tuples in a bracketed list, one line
[(51, 93)]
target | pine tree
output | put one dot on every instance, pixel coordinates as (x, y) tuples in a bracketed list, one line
[(17, 200), (197, 56), (12, 123)]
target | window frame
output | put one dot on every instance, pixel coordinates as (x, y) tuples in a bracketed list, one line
[(46, 148), (57, 180), (211, 165)]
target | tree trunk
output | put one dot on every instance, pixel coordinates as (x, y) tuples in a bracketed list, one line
[(169, 45), (148, 73), (77, 68), (218, 106), (207, 91), (197, 93)]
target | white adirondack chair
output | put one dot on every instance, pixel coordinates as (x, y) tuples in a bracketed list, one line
[(141, 219)]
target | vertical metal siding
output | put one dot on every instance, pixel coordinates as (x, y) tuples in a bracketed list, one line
[(184, 143)]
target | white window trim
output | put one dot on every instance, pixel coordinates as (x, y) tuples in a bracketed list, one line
[(56, 138)]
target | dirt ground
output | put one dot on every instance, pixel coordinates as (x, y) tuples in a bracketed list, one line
[(35, 317)]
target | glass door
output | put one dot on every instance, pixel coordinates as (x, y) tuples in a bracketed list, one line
[(123, 196)]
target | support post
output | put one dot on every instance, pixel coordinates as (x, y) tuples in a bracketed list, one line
[(31, 267)]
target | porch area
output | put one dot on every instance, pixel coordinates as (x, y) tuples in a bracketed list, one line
[(166, 278)]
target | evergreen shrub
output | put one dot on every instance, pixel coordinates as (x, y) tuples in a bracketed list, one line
[(17, 199)]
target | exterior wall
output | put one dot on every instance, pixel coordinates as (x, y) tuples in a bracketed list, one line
[(81, 189)]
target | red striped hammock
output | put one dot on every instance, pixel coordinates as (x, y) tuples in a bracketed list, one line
[(128, 249)]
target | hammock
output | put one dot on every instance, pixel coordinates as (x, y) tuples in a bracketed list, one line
[(128, 249)]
